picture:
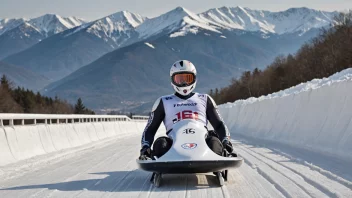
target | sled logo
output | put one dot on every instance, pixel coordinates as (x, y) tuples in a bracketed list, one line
[(189, 145)]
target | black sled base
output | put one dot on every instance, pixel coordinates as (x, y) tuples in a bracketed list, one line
[(180, 167)]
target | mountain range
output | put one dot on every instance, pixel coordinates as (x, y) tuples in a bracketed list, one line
[(19, 34), (124, 57)]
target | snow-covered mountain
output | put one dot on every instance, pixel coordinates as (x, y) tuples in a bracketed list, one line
[(179, 19), (289, 21), (115, 29), (65, 52), (50, 24), (19, 34)]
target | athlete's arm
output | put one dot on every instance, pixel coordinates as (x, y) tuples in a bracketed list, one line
[(156, 117), (216, 121)]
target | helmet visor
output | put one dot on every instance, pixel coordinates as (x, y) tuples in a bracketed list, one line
[(183, 79)]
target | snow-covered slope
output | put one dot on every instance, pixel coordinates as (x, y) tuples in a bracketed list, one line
[(315, 115), (288, 21), (8, 24), (50, 24)]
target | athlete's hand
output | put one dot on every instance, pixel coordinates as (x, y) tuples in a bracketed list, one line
[(227, 145), (145, 153)]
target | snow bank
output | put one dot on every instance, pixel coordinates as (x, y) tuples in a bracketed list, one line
[(19, 142), (150, 45), (316, 115), (5, 151)]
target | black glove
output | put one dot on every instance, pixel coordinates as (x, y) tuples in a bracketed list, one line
[(145, 153), (227, 145)]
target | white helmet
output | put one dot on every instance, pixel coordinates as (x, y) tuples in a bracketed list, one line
[(183, 77)]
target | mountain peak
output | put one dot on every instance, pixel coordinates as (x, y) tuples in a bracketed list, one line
[(50, 16), (51, 24), (178, 19), (178, 13), (125, 16), (180, 9), (300, 9), (120, 21)]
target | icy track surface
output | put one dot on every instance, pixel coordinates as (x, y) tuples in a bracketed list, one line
[(110, 170)]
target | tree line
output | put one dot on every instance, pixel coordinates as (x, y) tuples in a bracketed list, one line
[(20, 100), (328, 53)]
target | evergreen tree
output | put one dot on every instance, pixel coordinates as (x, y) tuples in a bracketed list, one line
[(79, 107), (216, 96), (20, 100), (211, 93), (5, 82)]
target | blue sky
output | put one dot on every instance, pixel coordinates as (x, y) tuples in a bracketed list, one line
[(93, 9)]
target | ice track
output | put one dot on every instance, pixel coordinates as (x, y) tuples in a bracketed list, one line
[(110, 170)]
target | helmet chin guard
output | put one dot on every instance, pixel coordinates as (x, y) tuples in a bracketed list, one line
[(184, 90), (186, 77)]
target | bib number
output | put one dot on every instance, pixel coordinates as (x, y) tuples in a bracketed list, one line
[(187, 114)]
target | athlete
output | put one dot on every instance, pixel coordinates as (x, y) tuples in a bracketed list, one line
[(184, 104)]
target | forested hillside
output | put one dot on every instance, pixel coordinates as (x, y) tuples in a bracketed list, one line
[(20, 100), (325, 55)]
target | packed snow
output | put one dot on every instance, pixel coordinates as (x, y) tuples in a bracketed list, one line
[(19, 143), (108, 169), (345, 75), (315, 115)]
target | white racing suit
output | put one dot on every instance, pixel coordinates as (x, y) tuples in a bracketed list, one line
[(173, 108)]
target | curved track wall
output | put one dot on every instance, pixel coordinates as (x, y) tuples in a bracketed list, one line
[(316, 115), (19, 141)]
